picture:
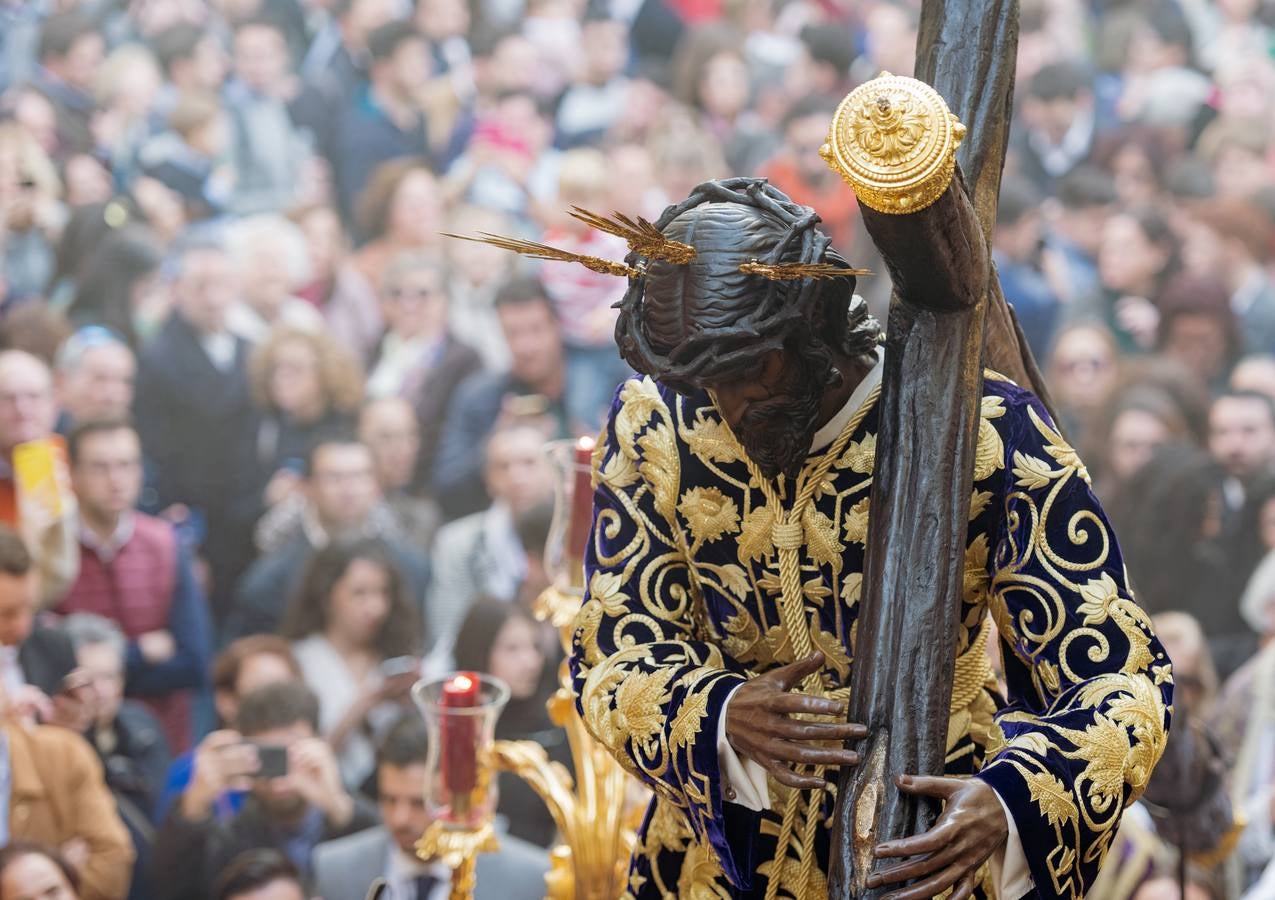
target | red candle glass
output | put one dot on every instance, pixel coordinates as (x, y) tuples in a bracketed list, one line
[(581, 520), (458, 738)]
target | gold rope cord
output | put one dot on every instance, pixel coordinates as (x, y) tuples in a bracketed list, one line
[(788, 534)]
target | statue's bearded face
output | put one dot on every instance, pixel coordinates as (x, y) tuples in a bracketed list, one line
[(775, 415)]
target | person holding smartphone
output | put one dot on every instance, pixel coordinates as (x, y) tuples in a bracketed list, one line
[(295, 798), (358, 639)]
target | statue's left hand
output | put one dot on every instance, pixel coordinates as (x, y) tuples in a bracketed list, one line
[(971, 828)]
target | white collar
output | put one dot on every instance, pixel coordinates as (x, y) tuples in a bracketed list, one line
[(833, 428)]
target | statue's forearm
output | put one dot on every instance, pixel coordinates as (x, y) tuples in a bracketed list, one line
[(936, 256), (894, 141)]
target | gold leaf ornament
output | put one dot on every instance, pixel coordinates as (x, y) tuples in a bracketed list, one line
[(710, 440), (1032, 472), (1052, 797), (856, 522), (755, 538)]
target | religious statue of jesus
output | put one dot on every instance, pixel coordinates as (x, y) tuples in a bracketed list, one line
[(714, 650)]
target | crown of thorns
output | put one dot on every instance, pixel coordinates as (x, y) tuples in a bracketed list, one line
[(793, 270)]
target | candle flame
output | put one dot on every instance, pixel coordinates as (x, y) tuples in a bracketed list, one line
[(464, 682), (585, 443)]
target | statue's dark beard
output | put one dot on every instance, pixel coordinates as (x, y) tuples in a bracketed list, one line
[(776, 433)]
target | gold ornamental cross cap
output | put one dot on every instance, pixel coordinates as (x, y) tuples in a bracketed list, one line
[(894, 140)]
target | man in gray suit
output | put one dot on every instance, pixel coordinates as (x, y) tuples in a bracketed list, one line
[(345, 868)]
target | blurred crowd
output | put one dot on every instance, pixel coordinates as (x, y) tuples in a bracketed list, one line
[(271, 446)]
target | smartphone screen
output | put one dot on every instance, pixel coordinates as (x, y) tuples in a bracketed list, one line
[(274, 761)]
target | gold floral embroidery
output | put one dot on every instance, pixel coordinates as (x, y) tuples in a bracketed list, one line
[(709, 513)]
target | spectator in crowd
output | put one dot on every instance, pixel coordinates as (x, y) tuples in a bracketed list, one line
[(29, 870), (1073, 235), (475, 273), (384, 119), (291, 811), (57, 797), (1195, 678), (95, 373), (335, 288), (187, 158), (335, 64), (343, 500), (31, 189), (598, 92), (28, 415), (271, 156), (1082, 369), (399, 211), (192, 60), (119, 287), (1255, 372), (1232, 240), (346, 867), (259, 875), (1137, 422), (357, 638), (126, 92), (35, 659), (481, 554), (1057, 124), (1017, 253), (799, 171), (1242, 441), (503, 639), (1137, 256), (241, 668), (306, 388), (129, 742), (134, 571), (419, 358), (1181, 566), (585, 300), (389, 428), (271, 264), (533, 389), (195, 417), (1198, 329), (71, 53)]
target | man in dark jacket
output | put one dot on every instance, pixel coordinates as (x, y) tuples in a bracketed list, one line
[(291, 812), (195, 415), (127, 737), (342, 499)]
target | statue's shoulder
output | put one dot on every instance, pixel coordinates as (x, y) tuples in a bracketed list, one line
[(640, 397)]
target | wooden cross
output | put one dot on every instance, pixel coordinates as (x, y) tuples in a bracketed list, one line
[(946, 298)]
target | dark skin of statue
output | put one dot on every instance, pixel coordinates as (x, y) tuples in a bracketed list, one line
[(759, 723)]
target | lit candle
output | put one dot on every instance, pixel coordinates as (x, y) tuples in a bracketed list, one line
[(458, 757), (581, 504)]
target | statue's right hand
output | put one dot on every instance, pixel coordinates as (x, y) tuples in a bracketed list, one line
[(759, 725)]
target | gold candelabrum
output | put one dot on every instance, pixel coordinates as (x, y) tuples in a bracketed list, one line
[(597, 811)]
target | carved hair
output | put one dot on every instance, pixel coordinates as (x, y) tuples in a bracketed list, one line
[(706, 321)]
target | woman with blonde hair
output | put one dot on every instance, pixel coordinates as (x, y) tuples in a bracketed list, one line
[(30, 213), (305, 387)]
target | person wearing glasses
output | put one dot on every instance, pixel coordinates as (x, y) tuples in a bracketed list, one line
[(418, 357)]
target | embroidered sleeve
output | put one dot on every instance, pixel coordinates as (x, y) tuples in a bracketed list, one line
[(647, 685), (1090, 687)]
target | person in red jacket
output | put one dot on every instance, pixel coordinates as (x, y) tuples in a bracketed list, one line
[(134, 571)]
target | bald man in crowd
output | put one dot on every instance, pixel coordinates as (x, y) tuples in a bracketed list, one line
[(28, 417)]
